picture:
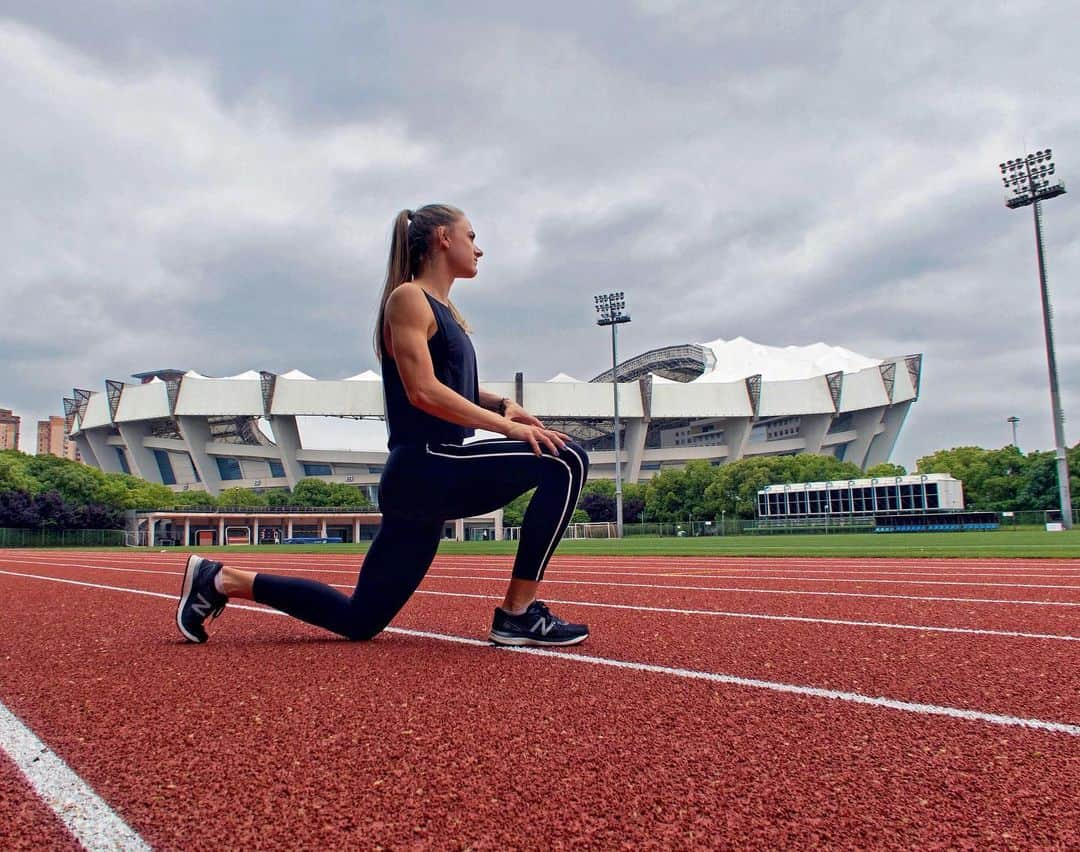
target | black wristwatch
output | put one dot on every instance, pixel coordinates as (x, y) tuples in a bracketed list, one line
[(502, 406)]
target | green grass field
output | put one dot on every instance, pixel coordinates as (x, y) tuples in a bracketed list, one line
[(1015, 544)]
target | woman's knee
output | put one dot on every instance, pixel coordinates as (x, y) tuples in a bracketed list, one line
[(363, 630), (575, 449)]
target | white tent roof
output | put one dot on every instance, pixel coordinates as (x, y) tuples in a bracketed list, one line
[(738, 358), (366, 376)]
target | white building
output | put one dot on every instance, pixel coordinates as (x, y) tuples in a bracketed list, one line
[(720, 401)]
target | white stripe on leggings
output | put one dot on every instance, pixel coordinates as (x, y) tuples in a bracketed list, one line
[(569, 486)]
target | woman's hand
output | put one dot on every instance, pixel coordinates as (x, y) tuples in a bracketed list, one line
[(537, 436), (519, 415)]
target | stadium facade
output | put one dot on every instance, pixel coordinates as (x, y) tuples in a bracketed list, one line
[(720, 402)]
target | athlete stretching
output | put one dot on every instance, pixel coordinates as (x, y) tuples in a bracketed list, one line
[(433, 403)]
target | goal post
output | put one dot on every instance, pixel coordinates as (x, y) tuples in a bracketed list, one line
[(595, 529)]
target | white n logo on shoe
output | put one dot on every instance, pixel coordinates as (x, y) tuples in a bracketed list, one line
[(202, 606), (545, 626)]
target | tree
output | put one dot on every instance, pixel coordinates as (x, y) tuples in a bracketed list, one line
[(344, 496), (514, 511), (885, 469), (311, 493), (241, 497)]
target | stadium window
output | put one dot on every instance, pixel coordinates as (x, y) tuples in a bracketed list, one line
[(124, 466), (276, 467), (907, 496), (165, 468), (932, 496), (317, 469), (229, 468)]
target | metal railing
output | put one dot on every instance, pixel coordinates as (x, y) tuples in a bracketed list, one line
[(60, 538)]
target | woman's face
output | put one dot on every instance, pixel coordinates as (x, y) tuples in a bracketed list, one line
[(462, 252)]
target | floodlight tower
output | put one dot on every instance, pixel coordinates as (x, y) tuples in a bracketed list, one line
[(611, 309), (1028, 179), (1012, 421)]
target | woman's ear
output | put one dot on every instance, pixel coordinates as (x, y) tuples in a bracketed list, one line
[(444, 236)]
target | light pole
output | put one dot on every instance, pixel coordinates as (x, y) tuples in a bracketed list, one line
[(611, 307), (1013, 421), (1029, 180)]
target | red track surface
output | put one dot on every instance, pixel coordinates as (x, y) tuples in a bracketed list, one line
[(275, 734)]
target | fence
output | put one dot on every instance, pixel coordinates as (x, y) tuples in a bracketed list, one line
[(60, 538)]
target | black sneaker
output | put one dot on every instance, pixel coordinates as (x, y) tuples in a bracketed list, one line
[(536, 626), (199, 600)]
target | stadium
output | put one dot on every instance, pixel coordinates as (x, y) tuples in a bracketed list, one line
[(719, 401)]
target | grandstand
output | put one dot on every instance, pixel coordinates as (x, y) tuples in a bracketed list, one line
[(718, 401)]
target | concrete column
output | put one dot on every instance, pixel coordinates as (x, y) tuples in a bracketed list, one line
[(882, 445), (737, 436), (255, 533), (866, 424), (196, 434), (499, 525), (103, 452), (322, 527), (86, 451), (143, 463), (151, 531), (812, 429), (221, 530), (356, 529), (287, 438), (634, 446), (288, 527), (187, 532), (459, 529)]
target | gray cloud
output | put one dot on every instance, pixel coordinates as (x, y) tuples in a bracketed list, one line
[(211, 186)]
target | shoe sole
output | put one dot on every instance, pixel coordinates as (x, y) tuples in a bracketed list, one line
[(520, 641), (190, 571)]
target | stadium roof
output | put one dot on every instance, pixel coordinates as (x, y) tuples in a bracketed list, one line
[(738, 358)]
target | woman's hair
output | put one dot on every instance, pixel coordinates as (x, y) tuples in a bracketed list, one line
[(410, 249)]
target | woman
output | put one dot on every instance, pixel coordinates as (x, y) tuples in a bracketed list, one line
[(433, 403)]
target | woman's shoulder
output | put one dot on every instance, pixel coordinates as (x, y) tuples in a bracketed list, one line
[(408, 293), (408, 304)]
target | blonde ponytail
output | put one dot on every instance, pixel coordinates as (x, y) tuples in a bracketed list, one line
[(410, 246)]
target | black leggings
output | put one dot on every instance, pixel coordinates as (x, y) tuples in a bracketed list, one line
[(422, 488)]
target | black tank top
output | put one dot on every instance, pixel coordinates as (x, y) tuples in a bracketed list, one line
[(454, 360)]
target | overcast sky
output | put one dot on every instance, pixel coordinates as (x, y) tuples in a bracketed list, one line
[(210, 186)]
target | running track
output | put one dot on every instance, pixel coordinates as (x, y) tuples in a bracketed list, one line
[(719, 702)]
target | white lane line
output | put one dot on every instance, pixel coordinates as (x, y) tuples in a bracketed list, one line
[(1010, 634), (751, 591), (869, 581), (93, 823), (623, 585), (678, 611), (689, 674), (774, 686)]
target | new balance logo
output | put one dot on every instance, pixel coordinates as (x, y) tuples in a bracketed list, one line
[(202, 607), (544, 625)]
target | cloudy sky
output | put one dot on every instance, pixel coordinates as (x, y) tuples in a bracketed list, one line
[(210, 186)]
